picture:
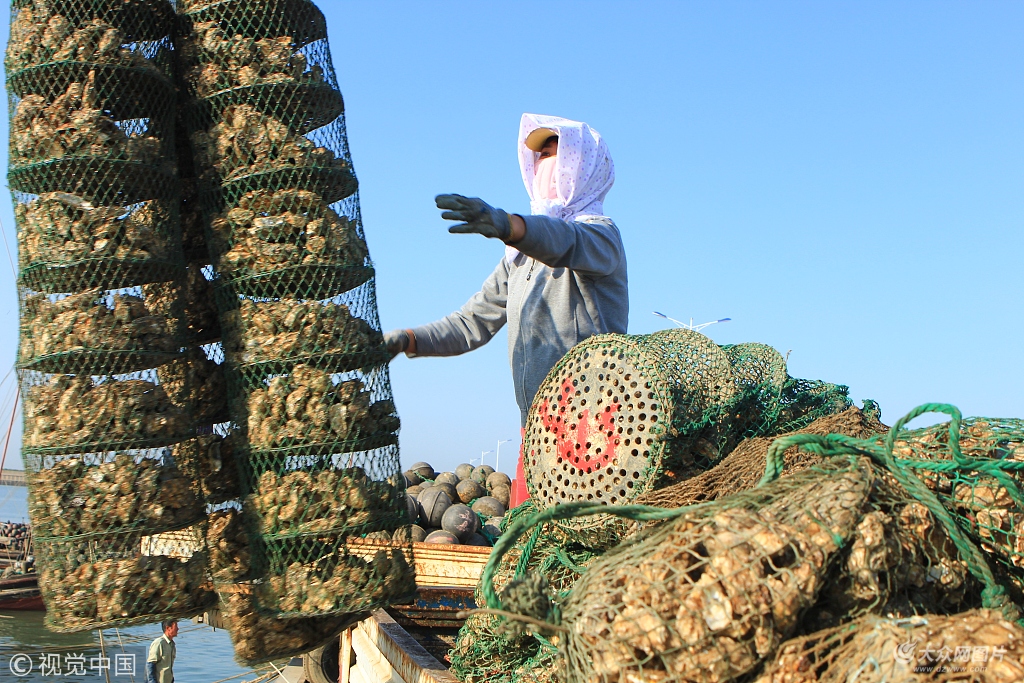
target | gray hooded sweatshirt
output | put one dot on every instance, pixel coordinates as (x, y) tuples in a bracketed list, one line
[(567, 283)]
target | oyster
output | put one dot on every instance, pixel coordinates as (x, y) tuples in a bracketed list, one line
[(58, 227), (305, 407), (196, 383), (125, 493), (271, 330), (195, 300), (218, 467), (271, 230), (75, 125), (228, 545), (90, 321), (330, 499), (69, 411), (218, 61), (84, 593), (39, 36), (247, 141), (339, 582)]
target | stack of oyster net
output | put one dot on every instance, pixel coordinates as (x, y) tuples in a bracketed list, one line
[(840, 552), (309, 393), (110, 402)]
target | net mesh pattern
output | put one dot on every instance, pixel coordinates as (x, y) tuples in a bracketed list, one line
[(309, 397)]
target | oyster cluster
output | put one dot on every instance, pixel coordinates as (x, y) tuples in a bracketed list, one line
[(39, 36), (288, 328), (195, 296), (68, 411), (86, 322), (301, 501), (980, 646), (75, 125), (710, 595), (997, 520), (227, 545), (247, 141), (105, 590), (270, 230), (193, 237), (305, 407), (73, 498), (196, 383), (336, 582), (258, 637), (58, 227), (221, 61)]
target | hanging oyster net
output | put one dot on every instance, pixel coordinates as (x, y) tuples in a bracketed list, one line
[(744, 467), (98, 331), (307, 374), (258, 637), (487, 651), (980, 645), (91, 144), (975, 468), (118, 534), (121, 579)]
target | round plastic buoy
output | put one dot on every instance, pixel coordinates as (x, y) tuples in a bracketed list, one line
[(432, 503), (441, 536), (426, 484), (477, 539), (489, 506), (465, 471), (481, 473), (411, 478), (469, 490), (423, 469), (414, 490), (378, 536), (450, 490), (410, 533), (503, 494), (461, 521), (447, 478), (498, 479), (412, 507)]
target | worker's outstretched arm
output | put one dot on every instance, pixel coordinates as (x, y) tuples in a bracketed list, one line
[(592, 248), (471, 326)]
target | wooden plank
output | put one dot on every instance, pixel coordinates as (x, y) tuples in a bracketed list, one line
[(411, 662)]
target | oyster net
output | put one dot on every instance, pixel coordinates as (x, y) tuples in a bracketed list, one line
[(711, 593), (122, 579), (306, 372), (99, 331), (979, 645), (620, 416), (486, 650), (976, 468)]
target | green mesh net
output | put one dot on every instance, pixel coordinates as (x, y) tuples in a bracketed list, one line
[(92, 143), (486, 650), (974, 466), (305, 368)]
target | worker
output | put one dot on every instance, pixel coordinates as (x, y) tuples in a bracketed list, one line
[(562, 277), (160, 662)]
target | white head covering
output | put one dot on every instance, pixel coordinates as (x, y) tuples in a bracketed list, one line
[(584, 171)]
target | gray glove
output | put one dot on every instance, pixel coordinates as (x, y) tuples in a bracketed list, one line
[(476, 214), (396, 341)]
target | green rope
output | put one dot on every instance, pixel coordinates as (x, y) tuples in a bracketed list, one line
[(993, 596)]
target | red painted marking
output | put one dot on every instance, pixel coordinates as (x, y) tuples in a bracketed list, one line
[(571, 444)]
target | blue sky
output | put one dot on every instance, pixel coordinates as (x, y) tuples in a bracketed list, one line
[(843, 180)]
